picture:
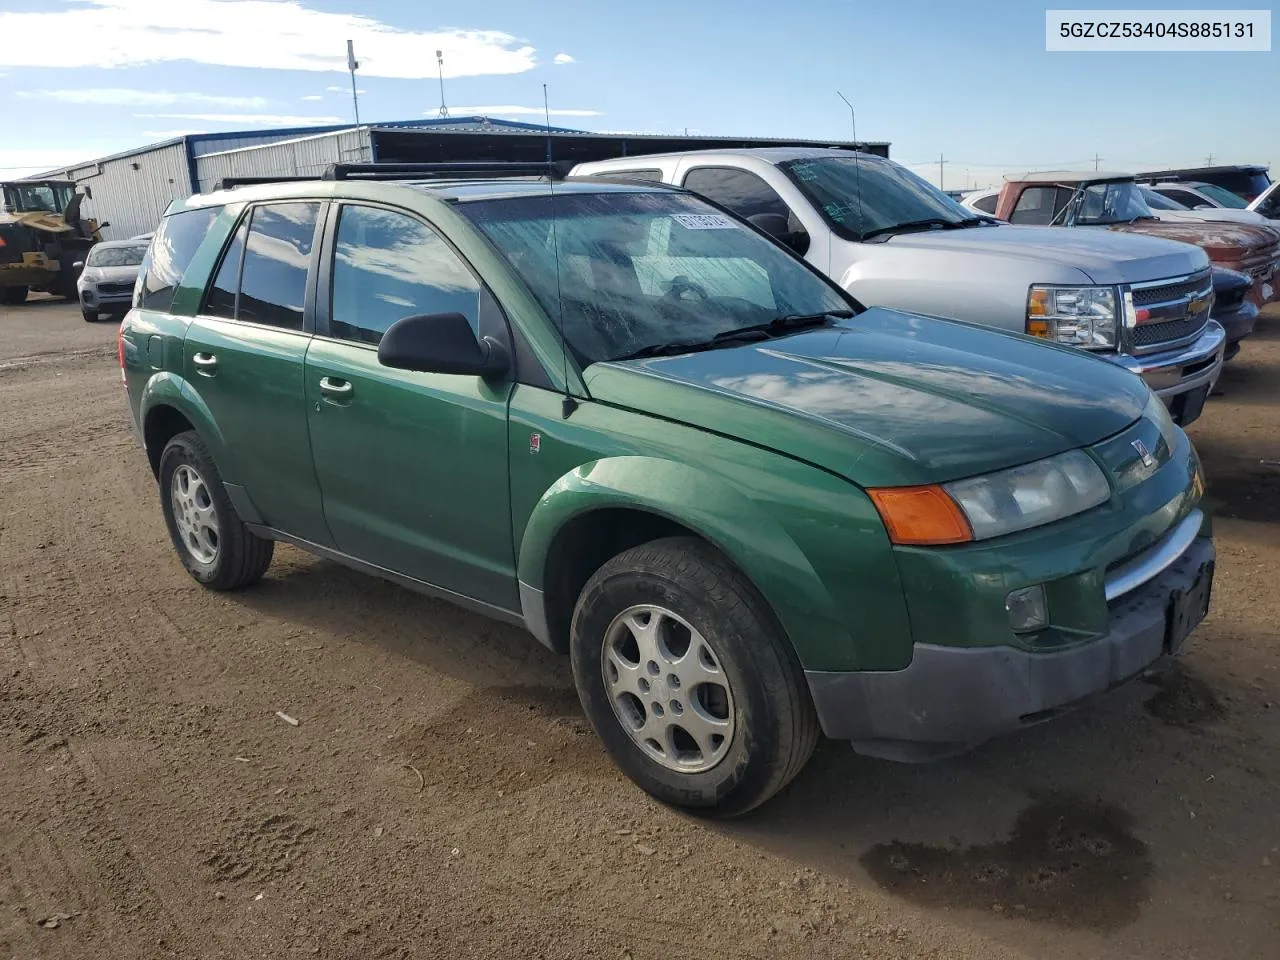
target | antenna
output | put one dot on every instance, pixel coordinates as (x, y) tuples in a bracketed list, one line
[(353, 65), (568, 405), (857, 162), (444, 111)]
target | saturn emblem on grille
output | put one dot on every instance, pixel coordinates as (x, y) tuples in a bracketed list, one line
[(1147, 459)]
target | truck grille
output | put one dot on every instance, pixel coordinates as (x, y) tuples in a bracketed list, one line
[(1172, 320)]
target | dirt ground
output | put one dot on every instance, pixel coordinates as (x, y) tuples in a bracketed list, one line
[(442, 797)]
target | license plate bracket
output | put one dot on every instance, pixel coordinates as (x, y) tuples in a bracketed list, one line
[(1187, 608)]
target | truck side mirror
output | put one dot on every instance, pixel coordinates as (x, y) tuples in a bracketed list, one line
[(78, 265), (441, 343)]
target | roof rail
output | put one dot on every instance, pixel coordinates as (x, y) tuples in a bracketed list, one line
[(226, 183), (463, 170)]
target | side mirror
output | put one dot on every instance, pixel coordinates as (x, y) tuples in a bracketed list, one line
[(441, 343), (78, 265), (775, 224)]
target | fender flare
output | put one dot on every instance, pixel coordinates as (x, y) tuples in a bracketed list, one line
[(166, 389), (709, 506)]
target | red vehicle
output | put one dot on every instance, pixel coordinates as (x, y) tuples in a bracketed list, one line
[(1113, 201)]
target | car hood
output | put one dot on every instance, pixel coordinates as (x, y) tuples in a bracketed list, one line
[(888, 398), (1220, 240), (1104, 257), (110, 274), (1213, 215)]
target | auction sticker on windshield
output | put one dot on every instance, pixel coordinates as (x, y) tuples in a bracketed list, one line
[(704, 221)]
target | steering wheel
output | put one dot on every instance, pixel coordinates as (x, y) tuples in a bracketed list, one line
[(681, 285)]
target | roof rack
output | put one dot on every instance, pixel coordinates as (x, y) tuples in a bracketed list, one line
[(453, 171), (226, 183)]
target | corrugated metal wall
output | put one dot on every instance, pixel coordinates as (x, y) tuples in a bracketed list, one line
[(305, 156), (131, 193)]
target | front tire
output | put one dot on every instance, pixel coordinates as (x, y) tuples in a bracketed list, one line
[(688, 679), (212, 541), (90, 316)]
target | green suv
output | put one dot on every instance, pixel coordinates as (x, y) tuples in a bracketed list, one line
[(749, 509)]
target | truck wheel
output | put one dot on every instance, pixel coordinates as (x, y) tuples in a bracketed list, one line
[(688, 679), (13, 296), (212, 541)]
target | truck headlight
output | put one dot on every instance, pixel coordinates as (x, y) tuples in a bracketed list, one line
[(1031, 495), (1077, 316)]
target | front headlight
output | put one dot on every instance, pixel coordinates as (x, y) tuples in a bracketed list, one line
[(1030, 495), (1077, 316)]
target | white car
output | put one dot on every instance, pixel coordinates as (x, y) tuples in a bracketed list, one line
[(1166, 208), (107, 280), (983, 201), (1197, 195)]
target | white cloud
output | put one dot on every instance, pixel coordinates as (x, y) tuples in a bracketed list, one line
[(342, 90), (170, 134), (516, 111), (281, 34), (122, 97), (563, 58), (314, 96), (283, 120)]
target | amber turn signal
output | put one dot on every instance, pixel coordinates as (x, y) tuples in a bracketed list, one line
[(921, 516)]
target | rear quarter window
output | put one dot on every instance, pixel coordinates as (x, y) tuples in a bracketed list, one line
[(172, 249)]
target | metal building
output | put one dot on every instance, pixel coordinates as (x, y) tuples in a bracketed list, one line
[(130, 191)]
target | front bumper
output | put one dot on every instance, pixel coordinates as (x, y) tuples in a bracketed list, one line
[(1182, 377), (93, 299), (1238, 324), (950, 699)]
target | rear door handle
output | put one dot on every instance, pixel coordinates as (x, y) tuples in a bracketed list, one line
[(334, 387), (206, 363)]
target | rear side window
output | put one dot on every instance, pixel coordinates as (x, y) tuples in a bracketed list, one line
[(1184, 197), (221, 299), (742, 192), (1039, 205), (987, 204), (172, 249), (386, 266)]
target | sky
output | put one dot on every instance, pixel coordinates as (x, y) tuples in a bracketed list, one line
[(970, 81)]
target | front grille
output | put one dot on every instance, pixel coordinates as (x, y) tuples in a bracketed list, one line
[(1153, 334), (113, 288), (1145, 296)]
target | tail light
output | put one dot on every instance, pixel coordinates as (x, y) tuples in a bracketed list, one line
[(120, 345)]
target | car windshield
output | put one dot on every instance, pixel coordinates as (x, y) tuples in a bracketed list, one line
[(1158, 201), (116, 256), (865, 195), (640, 270), (1115, 202), (1221, 195)]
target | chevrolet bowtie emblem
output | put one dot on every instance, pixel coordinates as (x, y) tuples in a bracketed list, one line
[(1147, 459)]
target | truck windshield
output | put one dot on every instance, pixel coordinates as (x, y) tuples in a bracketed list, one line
[(859, 197), (638, 272), (1118, 201)]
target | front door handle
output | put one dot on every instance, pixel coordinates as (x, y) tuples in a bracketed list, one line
[(334, 387), (206, 363)]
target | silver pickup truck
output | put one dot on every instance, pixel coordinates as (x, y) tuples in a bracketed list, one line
[(892, 239)]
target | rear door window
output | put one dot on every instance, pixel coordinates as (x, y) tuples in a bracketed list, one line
[(172, 249), (277, 257), (987, 204)]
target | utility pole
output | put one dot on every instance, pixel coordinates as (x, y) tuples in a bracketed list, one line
[(444, 111), (1209, 161), (1096, 160), (941, 162), (353, 65)]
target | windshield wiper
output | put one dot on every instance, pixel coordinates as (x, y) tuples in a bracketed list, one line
[(913, 225), (790, 321)]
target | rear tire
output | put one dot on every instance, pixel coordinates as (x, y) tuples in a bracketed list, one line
[(212, 541), (13, 296), (669, 634)]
